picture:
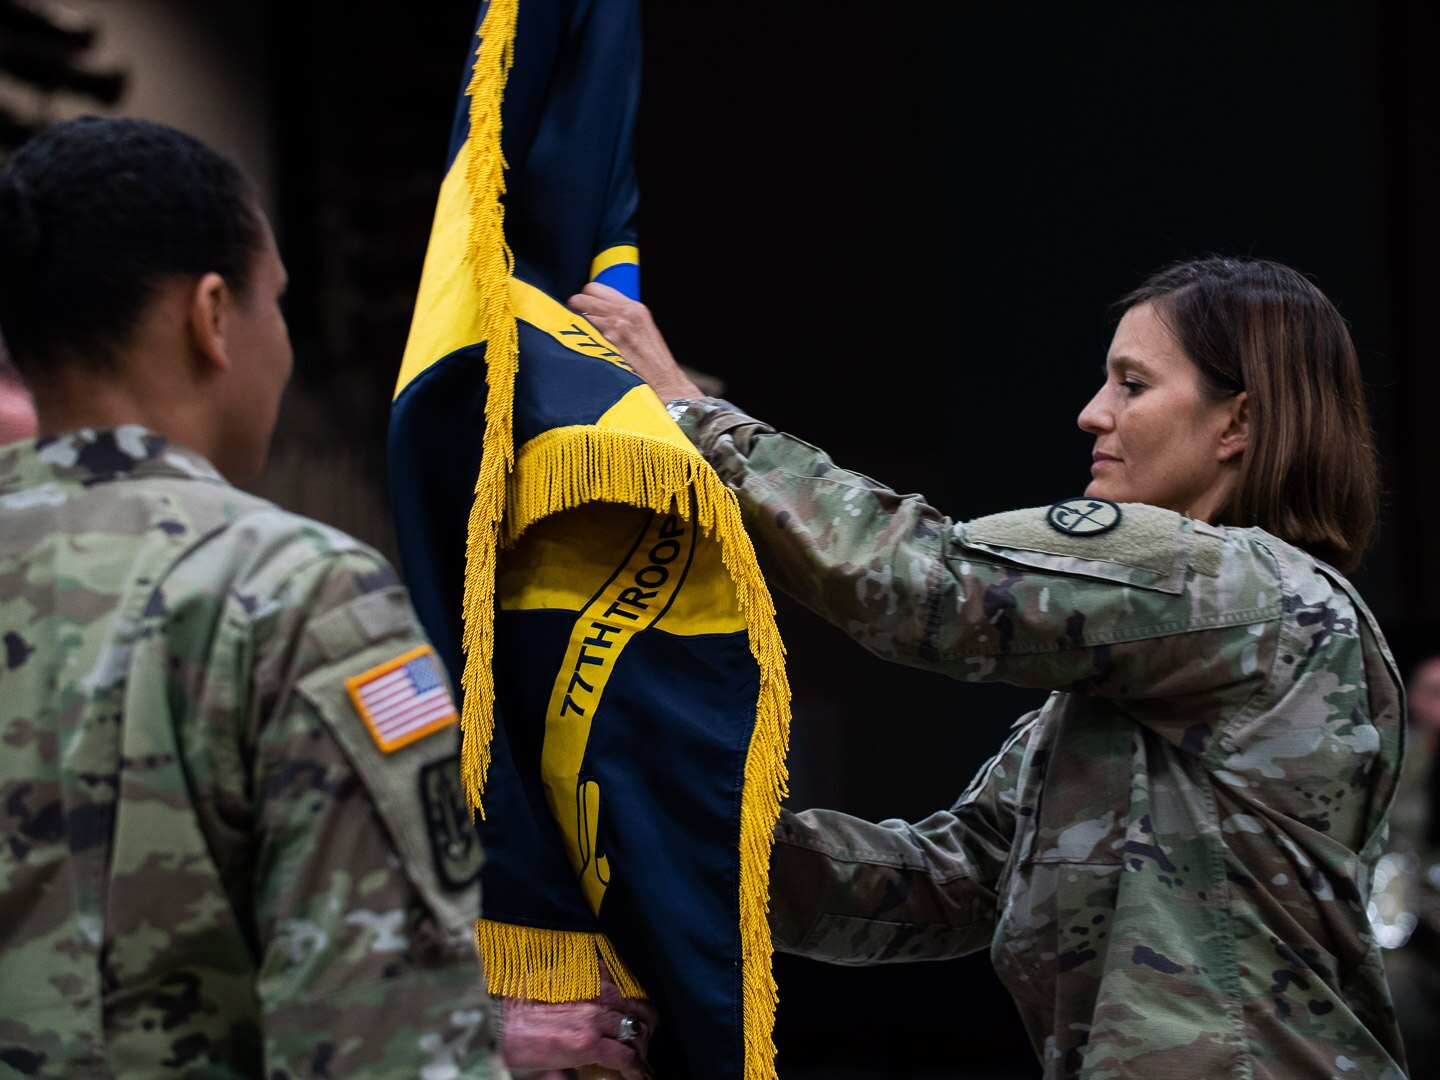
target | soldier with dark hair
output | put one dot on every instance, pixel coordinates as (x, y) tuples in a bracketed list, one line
[(1171, 861), (212, 865), (234, 844), (124, 239)]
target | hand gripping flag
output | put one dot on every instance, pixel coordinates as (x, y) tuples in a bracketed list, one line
[(625, 708)]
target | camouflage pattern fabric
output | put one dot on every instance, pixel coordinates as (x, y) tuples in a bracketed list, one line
[(1170, 861), (1405, 910), (1416, 859), (209, 867)]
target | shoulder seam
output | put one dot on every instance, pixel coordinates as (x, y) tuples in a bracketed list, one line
[(1261, 698)]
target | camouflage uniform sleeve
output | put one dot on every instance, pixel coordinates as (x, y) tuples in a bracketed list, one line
[(1123, 613), (367, 876), (848, 891)]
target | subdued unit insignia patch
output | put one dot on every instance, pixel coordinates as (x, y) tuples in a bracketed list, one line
[(403, 699), (1083, 517), (453, 839)]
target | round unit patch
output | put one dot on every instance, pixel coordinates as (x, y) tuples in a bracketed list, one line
[(1083, 517)]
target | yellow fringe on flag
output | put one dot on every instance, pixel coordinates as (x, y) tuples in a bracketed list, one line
[(625, 982), (548, 965), (491, 261), (556, 471), (567, 467)]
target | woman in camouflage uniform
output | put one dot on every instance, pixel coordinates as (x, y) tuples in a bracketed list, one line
[(1170, 860)]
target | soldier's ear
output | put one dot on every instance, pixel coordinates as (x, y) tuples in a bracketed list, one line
[(1235, 438), (209, 310)]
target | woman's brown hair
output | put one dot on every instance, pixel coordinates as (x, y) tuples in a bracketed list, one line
[(1309, 473)]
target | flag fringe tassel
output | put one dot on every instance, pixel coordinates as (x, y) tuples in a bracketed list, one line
[(491, 261), (564, 468), (548, 965), (558, 470)]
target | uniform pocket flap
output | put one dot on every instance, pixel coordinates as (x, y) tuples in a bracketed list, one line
[(1129, 543), (390, 710)]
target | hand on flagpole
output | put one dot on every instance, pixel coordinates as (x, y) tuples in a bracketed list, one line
[(605, 1038), (628, 325)]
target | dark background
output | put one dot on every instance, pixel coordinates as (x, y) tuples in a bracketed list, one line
[(895, 231)]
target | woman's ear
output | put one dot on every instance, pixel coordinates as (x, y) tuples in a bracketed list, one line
[(209, 311), (1235, 436)]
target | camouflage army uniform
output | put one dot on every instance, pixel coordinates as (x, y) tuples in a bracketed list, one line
[(1169, 861), (1407, 910), (209, 867)]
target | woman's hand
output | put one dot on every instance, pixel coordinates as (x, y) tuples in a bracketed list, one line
[(612, 1031), (628, 325)]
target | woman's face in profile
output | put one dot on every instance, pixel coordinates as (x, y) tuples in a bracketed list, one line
[(1158, 440)]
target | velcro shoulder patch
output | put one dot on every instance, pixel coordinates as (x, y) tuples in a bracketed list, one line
[(1145, 537), (1139, 544), (453, 840), (367, 620), (1084, 517), (403, 699)]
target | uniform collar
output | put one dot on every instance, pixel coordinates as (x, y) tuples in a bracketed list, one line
[(90, 456)]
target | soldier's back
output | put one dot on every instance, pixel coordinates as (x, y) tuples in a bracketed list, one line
[(178, 742)]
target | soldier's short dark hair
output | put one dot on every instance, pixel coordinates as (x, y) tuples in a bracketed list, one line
[(1309, 475), (95, 214)]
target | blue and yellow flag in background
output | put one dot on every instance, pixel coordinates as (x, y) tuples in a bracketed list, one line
[(583, 570)]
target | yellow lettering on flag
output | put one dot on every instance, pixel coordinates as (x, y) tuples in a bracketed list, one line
[(637, 594)]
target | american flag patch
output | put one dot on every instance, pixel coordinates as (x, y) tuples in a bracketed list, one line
[(403, 699)]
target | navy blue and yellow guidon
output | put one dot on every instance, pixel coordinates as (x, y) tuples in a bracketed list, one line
[(625, 709)]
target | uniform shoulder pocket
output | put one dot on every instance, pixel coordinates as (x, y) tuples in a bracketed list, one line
[(384, 697), (1130, 543)]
